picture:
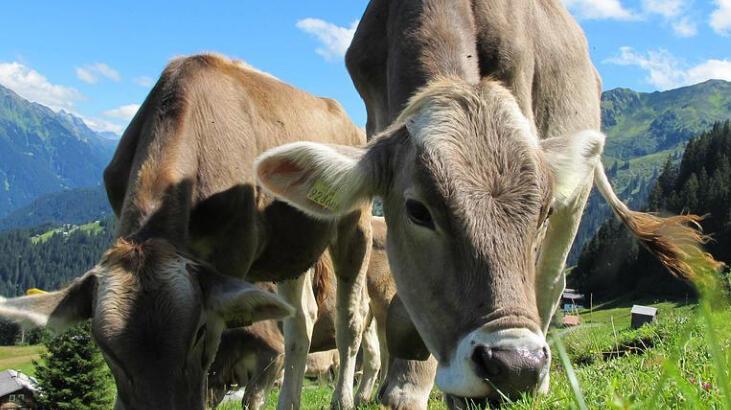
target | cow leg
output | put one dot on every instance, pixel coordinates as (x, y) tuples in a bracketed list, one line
[(371, 364), (297, 337), (350, 253), (408, 384), (551, 280)]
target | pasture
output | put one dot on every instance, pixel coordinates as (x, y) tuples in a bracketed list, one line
[(680, 361), (20, 357)]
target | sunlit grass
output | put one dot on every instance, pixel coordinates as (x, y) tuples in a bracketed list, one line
[(680, 361), (20, 358)]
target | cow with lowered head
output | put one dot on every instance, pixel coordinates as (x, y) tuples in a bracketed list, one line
[(192, 224)]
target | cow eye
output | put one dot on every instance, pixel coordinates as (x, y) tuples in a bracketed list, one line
[(418, 214)]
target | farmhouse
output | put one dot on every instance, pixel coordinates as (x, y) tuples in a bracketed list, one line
[(642, 315), (17, 391)]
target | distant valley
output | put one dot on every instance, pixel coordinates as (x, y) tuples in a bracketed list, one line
[(42, 151)]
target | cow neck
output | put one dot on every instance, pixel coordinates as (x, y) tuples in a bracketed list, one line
[(430, 40), (164, 215)]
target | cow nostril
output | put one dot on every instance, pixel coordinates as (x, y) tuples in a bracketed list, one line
[(484, 359), (511, 371)]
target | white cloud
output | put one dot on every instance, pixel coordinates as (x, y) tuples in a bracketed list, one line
[(335, 39), (665, 8), (91, 73), (101, 125), (600, 10), (33, 86), (721, 17), (685, 27), (125, 112), (144, 81), (711, 69), (674, 12), (665, 71)]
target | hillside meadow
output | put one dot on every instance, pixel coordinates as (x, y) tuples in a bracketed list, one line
[(680, 361)]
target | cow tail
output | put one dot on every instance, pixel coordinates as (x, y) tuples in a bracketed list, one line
[(677, 241)]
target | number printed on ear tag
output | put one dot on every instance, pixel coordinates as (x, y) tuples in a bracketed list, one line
[(323, 195)]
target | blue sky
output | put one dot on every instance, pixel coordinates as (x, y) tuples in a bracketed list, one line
[(98, 59)]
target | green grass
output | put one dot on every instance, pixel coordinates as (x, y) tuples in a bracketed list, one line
[(681, 361), (20, 358)]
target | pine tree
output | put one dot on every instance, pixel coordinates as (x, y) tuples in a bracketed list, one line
[(72, 374)]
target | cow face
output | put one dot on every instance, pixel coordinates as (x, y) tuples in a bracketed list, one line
[(467, 190), (157, 317)]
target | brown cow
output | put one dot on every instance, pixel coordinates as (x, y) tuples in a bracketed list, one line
[(183, 186), (488, 113)]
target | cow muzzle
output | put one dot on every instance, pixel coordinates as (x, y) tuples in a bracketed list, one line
[(503, 363)]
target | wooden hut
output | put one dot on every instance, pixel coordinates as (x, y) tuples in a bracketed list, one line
[(642, 315)]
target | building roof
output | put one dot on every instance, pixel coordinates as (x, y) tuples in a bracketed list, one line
[(644, 310), (13, 380), (572, 295)]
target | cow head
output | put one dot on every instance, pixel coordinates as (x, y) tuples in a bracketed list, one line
[(467, 191), (157, 317)]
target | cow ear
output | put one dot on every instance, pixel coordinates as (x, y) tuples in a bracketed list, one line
[(324, 181), (572, 160), (54, 310), (240, 303)]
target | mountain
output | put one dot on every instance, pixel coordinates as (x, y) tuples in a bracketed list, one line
[(614, 264), (73, 206), (42, 151), (644, 130)]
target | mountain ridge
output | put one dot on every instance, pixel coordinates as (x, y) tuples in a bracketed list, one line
[(42, 151)]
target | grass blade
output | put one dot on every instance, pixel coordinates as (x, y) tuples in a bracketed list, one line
[(573, 381)]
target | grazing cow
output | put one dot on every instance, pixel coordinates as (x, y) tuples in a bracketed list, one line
[(487, 114), (251, 357), (182, 182)]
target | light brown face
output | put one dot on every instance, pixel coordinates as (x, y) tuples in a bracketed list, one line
[(152, 327), (158, 316), (465, 212)]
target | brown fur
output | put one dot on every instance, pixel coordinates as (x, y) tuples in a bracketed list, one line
[(676, 242), (323, 279)]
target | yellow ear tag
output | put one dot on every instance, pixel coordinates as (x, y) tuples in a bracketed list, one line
[(323, 195), (35, 291)]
